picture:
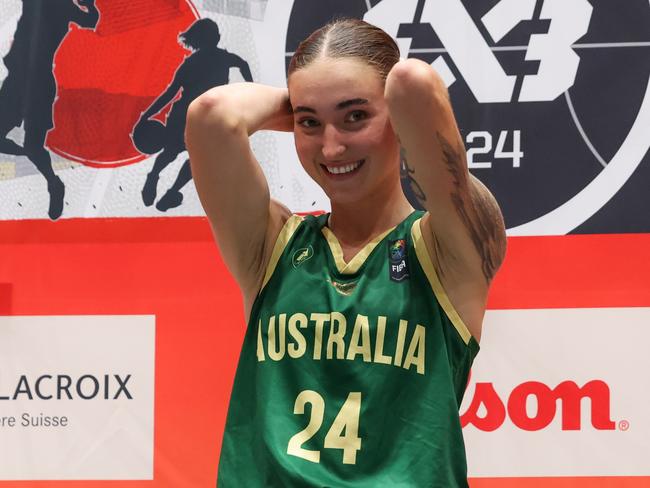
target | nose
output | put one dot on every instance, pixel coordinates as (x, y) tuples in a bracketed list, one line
[(333, 143)]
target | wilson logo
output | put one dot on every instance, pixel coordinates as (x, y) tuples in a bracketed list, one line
[(567, 394)]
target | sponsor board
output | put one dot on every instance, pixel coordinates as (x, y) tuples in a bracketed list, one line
[(76, 397), (560, 392), (79, 267)]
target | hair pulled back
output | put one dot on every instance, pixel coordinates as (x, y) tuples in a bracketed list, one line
[(348, 38)]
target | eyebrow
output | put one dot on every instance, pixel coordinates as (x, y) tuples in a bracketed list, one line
[(339, 106)]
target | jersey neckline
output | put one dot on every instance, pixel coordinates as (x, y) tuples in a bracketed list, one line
[(361, 257)]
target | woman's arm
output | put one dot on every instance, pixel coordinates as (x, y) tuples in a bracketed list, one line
[(464, 228), (230, 183)]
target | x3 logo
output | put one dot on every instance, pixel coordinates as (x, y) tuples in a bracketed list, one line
[(489, 82)]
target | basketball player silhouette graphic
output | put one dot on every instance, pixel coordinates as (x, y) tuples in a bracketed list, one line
[(28, 92), (208, 66)]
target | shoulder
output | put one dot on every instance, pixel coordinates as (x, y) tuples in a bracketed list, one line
[(296, 231)]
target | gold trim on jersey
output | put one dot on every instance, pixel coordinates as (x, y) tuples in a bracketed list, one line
[(430, 270), (357, 261), (286, 232)]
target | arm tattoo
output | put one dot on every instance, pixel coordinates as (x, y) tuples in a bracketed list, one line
[(477, 210), (408, 180)]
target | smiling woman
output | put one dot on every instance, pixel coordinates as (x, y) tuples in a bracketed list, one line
[(381, 318), (345, 141)]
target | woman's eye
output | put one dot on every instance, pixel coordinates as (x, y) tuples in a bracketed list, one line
[(308, 123), (356, 116)]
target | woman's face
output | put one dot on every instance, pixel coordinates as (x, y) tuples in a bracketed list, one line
[(343, 134)]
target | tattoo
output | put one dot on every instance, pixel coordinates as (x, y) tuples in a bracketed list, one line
[(410, 185), (476, 208)]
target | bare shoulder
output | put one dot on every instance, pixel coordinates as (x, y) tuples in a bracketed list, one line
[(482, 218)]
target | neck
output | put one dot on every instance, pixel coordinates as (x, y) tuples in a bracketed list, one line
[(358, 222)]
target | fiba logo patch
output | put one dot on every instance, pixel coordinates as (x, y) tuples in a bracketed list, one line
[(398, 266), (551, 96)]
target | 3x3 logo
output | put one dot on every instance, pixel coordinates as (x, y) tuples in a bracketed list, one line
[(488, 81)]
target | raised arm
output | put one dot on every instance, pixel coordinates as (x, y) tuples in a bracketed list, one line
[(230, 183), (464, 228)]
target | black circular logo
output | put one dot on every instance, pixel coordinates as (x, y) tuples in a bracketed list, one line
[(551, 97)]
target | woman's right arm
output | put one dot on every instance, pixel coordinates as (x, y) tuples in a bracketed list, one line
[(230, 183)]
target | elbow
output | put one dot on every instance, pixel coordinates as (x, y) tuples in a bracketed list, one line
[(213, 111), (413, 80), (212, 123)]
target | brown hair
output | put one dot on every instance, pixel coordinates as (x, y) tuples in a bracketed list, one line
[(348, 38)]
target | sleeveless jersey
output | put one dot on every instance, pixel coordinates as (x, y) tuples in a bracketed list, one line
[(351, 374)]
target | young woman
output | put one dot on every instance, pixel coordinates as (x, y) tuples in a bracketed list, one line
[(362, 323)]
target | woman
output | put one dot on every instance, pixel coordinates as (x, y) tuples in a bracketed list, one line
[(362, 323)]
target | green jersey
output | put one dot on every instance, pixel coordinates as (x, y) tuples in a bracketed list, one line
[(351, 374)]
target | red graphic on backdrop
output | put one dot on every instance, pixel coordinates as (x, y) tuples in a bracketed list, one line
[(128, 61), (568, 393)]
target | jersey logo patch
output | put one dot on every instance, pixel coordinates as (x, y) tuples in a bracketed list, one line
[(398, 260), (345, 289), (302, 255)]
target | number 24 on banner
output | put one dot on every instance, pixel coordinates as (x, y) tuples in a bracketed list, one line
[(516, 154)]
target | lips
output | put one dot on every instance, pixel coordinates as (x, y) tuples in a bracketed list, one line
[(343, 169)]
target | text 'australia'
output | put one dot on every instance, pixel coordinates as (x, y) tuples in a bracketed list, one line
[(333, 336)]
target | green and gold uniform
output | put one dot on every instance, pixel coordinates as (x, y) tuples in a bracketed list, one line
[(351, 374)]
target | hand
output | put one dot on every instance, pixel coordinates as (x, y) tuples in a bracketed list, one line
[(282, 120)]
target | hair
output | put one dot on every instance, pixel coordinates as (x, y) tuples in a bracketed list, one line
[(348, 38), (202, 33)]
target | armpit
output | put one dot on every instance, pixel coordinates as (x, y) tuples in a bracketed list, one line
[(477, 209)]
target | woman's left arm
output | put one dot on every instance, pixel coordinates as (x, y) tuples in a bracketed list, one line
[(466, 235)]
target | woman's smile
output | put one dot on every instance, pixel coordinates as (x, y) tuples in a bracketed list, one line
[(343, 170)]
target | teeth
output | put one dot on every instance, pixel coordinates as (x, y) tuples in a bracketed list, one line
[(338, 170)]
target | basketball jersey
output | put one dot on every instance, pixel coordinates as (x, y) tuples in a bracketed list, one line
[(351, 374)]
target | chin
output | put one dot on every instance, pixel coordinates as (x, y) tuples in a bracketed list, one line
[(340, 196)]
